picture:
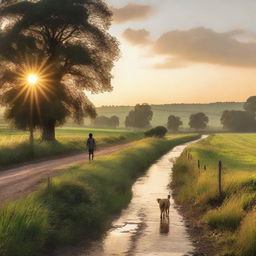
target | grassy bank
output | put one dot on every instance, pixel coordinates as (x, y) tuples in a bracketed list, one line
[(77, 203), (15, 148), (233, 215)]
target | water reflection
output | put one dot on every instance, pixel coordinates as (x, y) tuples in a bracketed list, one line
[(164, 225)]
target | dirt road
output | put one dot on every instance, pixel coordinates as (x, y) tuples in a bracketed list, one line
[(20, 181)]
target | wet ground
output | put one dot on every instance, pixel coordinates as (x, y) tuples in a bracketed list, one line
[(139, 231)]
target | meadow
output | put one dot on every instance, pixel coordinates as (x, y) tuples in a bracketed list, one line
[(232, 215), (76, 204), (15, 147)]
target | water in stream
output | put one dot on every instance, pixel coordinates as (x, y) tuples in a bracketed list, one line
[(138, 231)]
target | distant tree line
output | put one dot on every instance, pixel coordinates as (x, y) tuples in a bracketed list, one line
[(141, 116)]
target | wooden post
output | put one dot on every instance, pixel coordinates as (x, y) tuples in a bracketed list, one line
[(198, 164), (220, 178), (205, 167)]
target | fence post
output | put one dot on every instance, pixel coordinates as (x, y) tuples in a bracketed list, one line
[(198, 164), (220, 178), (205, 167)]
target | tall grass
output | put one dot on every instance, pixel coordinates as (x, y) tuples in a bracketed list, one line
[(237, 152), (77, 203), (23, 227), (228, 216), (246, 244)]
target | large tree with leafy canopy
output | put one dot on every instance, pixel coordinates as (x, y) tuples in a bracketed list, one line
[(67, 43)]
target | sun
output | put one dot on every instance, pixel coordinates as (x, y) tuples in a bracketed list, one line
[(32, 79)]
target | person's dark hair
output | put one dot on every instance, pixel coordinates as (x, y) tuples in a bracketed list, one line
[(90, 135)]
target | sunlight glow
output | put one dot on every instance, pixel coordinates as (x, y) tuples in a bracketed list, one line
[(32, 79)]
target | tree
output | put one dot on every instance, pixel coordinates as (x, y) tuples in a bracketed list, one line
[(114, 121), (238, 121), (250, 105), (158, 131), (140, 117), (198, 121), (174, 123), (65, 42)]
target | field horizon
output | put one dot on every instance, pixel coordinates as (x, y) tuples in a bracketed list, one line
[(183, 110)]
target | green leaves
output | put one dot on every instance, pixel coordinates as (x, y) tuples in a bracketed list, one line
[(76, 54)]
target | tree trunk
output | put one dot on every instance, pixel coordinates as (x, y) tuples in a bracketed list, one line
[(48, 131)]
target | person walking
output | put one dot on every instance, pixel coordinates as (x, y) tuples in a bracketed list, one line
[(91, 146)]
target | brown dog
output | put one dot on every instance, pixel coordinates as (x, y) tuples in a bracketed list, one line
[(164, 205)]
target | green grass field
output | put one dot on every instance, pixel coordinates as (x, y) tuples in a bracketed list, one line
[(235, 216), (77, 203), (15, 148)]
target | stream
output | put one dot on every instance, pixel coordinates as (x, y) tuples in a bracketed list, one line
[(138, 230)]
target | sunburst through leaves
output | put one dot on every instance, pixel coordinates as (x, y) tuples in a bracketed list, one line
[(34, 81)]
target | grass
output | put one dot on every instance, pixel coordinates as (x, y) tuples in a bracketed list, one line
[(15, 148), (76, 204), (230, 212), (247, 235)]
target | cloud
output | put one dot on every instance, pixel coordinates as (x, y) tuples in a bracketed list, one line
[(205, 46), (171, 63), (136, 37), (131, 12)]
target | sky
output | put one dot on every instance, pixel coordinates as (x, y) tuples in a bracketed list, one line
[(182, 51)]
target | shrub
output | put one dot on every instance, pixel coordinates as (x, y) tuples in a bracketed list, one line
[(158, 131)]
